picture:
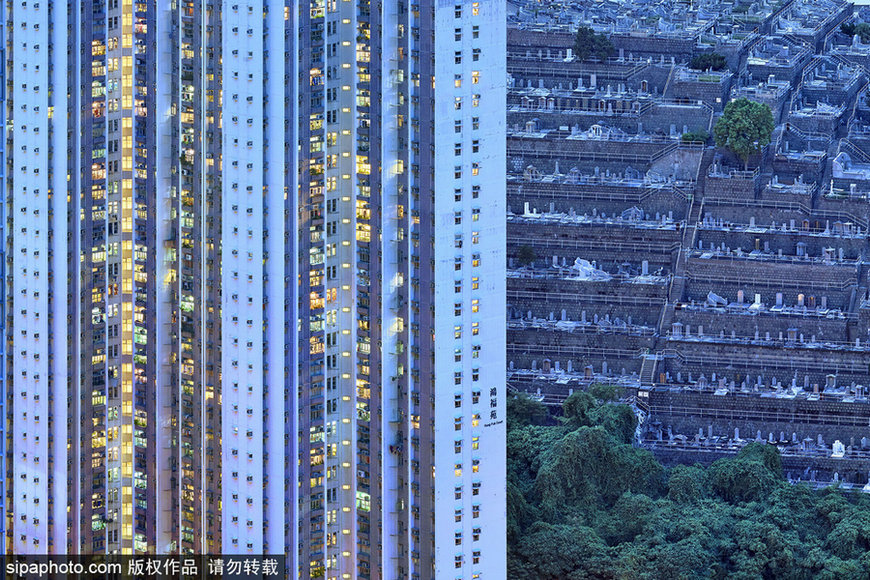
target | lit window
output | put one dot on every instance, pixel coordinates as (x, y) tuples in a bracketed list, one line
[(457, 331), (457, 103), (475, 8), (475, 100), (475, 77), (457, 81)]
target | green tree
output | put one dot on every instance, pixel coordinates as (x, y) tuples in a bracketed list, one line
[(588, 43), (744, 127), (708, 60), (861, 29), (524, 410), (526, 255), (699, 136)]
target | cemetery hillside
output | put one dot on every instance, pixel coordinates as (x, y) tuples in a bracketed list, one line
[(584, 502)]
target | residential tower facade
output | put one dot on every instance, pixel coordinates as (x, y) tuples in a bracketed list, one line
[(234, 232)]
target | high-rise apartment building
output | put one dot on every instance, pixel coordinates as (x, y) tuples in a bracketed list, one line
[(112, 238), (235, 231)]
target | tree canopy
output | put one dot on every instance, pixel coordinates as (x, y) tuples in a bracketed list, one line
[(708, 61), (744, 127), (859, 29), (584, 503), (588, 43)]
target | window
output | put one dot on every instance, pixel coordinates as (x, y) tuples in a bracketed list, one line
[(475, 237), (475, 8), (475, 214), (475, 123), (457, 355), (457, 172), (457, 149), (475, 442), (475, 55), (475, 465), (475, 168), (475, 77), (475, 31), (457, 11), (457, 57), (475, 374), (457, 263), (457, 494), (475, 328), (457, 34), (475, 534), (457, 446), (457, 309), (475, 191), (457, 331), (457, 195), (475, 511), (457, 103), (475, 284), (475, 487), (457, 286), (475, 261), (475, 146), (457, 217), (457, 241), (457, 424), (475, 100), (458, 535), (457, 402), (475, 351), (457, 81), (476, 557), (475, 398)]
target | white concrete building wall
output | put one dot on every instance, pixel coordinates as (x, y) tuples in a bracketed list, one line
[(470, 76), (253, 335), (38, 123)]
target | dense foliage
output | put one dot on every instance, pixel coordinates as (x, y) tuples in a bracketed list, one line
[(744, 127), (588, 43), (708, 61), (699, 136), (584, 503), (860, 29)]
